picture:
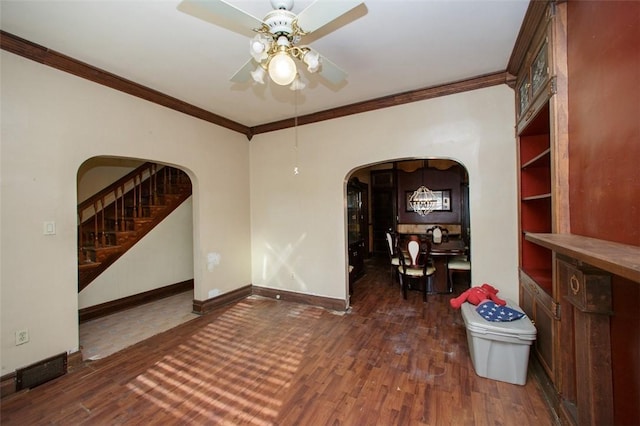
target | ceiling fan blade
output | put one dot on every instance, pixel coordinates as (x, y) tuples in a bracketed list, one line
[(320, 13), (331, 71), (244, 73), (223, 14)]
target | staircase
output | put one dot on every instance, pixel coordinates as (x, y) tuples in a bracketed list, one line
[(113, 220)]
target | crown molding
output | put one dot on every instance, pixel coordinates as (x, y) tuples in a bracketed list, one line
[(387, 101), (45, 56)]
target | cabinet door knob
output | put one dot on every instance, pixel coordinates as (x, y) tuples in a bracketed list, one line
[(575, 284)]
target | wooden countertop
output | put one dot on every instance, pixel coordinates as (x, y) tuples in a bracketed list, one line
[(619, 259)]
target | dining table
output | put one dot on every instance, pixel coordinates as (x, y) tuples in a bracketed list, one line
[(440, 253)]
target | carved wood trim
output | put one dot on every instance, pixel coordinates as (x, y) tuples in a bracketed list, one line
[(535, 13), (559, 121)]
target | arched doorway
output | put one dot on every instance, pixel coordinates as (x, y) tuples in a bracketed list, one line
[(388, 186), (135, 247)]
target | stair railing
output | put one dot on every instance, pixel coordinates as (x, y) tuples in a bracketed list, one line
[(112, 200), (150, 192)]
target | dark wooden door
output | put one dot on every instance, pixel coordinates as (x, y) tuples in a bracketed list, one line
[(383, 216)]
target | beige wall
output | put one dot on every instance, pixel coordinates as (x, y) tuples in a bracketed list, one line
[(298, 221), (51, 123)]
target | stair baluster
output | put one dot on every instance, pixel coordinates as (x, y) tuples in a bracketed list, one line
[(95, 223), (103, 236)]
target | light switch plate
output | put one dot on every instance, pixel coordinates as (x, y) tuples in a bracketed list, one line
[(49, 228)]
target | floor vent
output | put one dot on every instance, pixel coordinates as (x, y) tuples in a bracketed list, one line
[(41, 372)]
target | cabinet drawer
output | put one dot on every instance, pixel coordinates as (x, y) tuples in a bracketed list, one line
[(588, 289)]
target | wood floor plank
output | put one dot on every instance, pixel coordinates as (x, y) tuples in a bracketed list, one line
[(259, 361)]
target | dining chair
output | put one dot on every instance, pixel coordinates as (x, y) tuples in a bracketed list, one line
[(438, 234), (460, 263), (415, 266), (392, 249)]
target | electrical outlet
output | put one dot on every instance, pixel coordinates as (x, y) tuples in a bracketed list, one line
[(22, 337)]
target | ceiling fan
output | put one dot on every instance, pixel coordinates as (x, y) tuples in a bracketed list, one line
[(276, 39)]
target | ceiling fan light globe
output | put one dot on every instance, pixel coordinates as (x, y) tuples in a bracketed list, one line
[(282, 69), (312, 59), (297, 84), (258, 75), (258, 47)]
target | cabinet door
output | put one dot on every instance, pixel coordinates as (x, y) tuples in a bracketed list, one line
[(527, 299), (546, 338), (540, 307)]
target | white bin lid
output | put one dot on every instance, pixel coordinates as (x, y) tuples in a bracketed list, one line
[(521, 328)]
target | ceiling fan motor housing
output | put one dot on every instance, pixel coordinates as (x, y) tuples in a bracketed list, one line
[(280, 22)]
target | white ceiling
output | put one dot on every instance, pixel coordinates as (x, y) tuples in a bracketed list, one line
[(386, 47)]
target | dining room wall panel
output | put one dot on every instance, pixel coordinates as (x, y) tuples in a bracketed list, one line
[(435, 180)]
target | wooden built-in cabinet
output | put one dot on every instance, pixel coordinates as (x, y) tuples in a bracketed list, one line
[(579, 289), (542, 175)]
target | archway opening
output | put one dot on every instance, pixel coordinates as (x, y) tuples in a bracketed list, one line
[(135, 252), (377, 203)]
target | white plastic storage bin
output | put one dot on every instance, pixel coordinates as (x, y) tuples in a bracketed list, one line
[(499, 350)]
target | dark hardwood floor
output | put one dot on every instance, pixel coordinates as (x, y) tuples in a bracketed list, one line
[(386, 361)]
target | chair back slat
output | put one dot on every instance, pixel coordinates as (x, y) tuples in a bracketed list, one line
[(415, 264), (437, 236), (413, 247)]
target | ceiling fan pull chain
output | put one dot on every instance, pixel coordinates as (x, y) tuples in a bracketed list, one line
[(295, 133)]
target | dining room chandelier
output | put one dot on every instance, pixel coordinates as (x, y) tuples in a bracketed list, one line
[(422, 201)]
